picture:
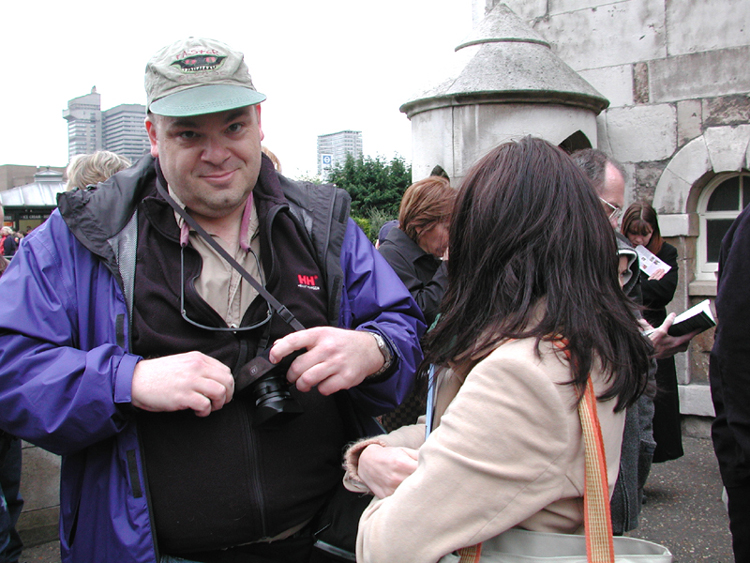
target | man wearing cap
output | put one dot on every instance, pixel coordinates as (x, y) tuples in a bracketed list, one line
[(128, 348)]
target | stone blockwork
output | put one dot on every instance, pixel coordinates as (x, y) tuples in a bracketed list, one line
[(725, 110), (695, 26), (647, 175), (641, 133), (699, 75), (689, 121)]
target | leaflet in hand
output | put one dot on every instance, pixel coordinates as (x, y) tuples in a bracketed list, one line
[(697, 317), (649, 262)]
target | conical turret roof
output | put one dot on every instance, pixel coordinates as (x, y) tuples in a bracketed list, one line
[(510, 63)]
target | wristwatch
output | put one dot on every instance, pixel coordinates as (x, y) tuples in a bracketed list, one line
[(385, 350)]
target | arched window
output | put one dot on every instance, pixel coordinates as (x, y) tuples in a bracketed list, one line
[(721, 201)]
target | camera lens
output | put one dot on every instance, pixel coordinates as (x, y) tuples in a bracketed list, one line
[(274, 404), (269, 389)]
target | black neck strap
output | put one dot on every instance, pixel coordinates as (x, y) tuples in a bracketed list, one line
[(277, 306)]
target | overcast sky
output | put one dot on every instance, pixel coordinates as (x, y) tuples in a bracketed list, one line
[(325, 65)]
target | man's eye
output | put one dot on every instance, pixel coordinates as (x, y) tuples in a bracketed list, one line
[(187, 135), (234, 127)]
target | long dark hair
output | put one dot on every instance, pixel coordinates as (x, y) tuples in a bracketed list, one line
[(528, 229), (640, 219)]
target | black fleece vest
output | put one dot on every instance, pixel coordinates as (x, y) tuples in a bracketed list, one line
[(218, 481)]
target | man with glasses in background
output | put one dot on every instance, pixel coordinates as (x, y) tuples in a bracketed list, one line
[(607, 177), (200, 336)]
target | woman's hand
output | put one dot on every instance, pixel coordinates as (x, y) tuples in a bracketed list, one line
[(658, 274), (383, 469)]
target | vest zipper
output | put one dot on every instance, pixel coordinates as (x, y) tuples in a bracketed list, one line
[(254, 461)]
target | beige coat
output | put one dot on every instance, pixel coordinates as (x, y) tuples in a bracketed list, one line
[(508, 452)]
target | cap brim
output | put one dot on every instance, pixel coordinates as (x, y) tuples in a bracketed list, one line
[(211, 98)]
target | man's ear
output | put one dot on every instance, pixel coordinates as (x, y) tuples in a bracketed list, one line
[(151, 130), (260, 129)]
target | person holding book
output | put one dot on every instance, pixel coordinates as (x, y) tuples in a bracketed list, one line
[(641, 225)]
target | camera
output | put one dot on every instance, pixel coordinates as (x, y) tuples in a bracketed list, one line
[(266, 384)]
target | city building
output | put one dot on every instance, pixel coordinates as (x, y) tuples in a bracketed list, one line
[(333, 148), (28, 206), (119, 129), (14, 175), (84, 119), (123, 131)]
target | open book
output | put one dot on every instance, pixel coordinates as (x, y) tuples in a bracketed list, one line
[(649, 262), (697, 317)]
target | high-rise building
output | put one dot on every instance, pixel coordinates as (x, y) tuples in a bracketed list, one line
[(84, 117), (119, 129), (123, 131), (333, 148)]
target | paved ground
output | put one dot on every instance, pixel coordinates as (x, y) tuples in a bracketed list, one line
[(683, 507), (683, 510)]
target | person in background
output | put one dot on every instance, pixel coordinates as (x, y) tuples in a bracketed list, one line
[(273, 157), (507, 448), (8, 242), (607, 176), (729, 374), (384, 230), (90, 169), (641, 225), (437, 170), (11, 502), (416, 249), (627, 257)]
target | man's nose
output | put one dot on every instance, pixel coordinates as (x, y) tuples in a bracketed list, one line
[(215, 151)]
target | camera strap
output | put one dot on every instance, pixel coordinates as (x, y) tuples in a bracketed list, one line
[(274, 303)]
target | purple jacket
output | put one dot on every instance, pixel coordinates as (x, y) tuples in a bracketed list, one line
[(65, 370)]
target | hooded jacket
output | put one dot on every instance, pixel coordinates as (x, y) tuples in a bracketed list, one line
[(66, 369)]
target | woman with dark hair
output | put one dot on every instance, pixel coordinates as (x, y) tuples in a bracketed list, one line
[(416, 247), (533, 312), (641, 225)]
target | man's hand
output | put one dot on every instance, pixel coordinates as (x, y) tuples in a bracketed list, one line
[(665, 345), (336, 358), (180, 382), (383, 469)]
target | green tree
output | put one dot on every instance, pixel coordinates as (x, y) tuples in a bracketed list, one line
[(373, 183)]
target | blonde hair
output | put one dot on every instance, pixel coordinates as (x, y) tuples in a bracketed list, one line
[(273, 157), (90, 169)]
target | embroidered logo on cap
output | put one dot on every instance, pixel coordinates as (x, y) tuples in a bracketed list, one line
[(199, 59)]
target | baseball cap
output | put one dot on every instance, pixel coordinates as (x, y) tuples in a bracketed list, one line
[(195, 76)]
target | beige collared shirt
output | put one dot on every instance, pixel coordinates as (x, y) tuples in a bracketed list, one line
[(219, 284)]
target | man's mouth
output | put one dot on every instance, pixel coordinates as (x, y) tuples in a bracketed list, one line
[(218, 177)]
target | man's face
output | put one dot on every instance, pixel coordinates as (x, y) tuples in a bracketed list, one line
[(613, 193), (211, 161)]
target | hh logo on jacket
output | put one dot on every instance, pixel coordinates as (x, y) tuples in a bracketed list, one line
[(308, 282)]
